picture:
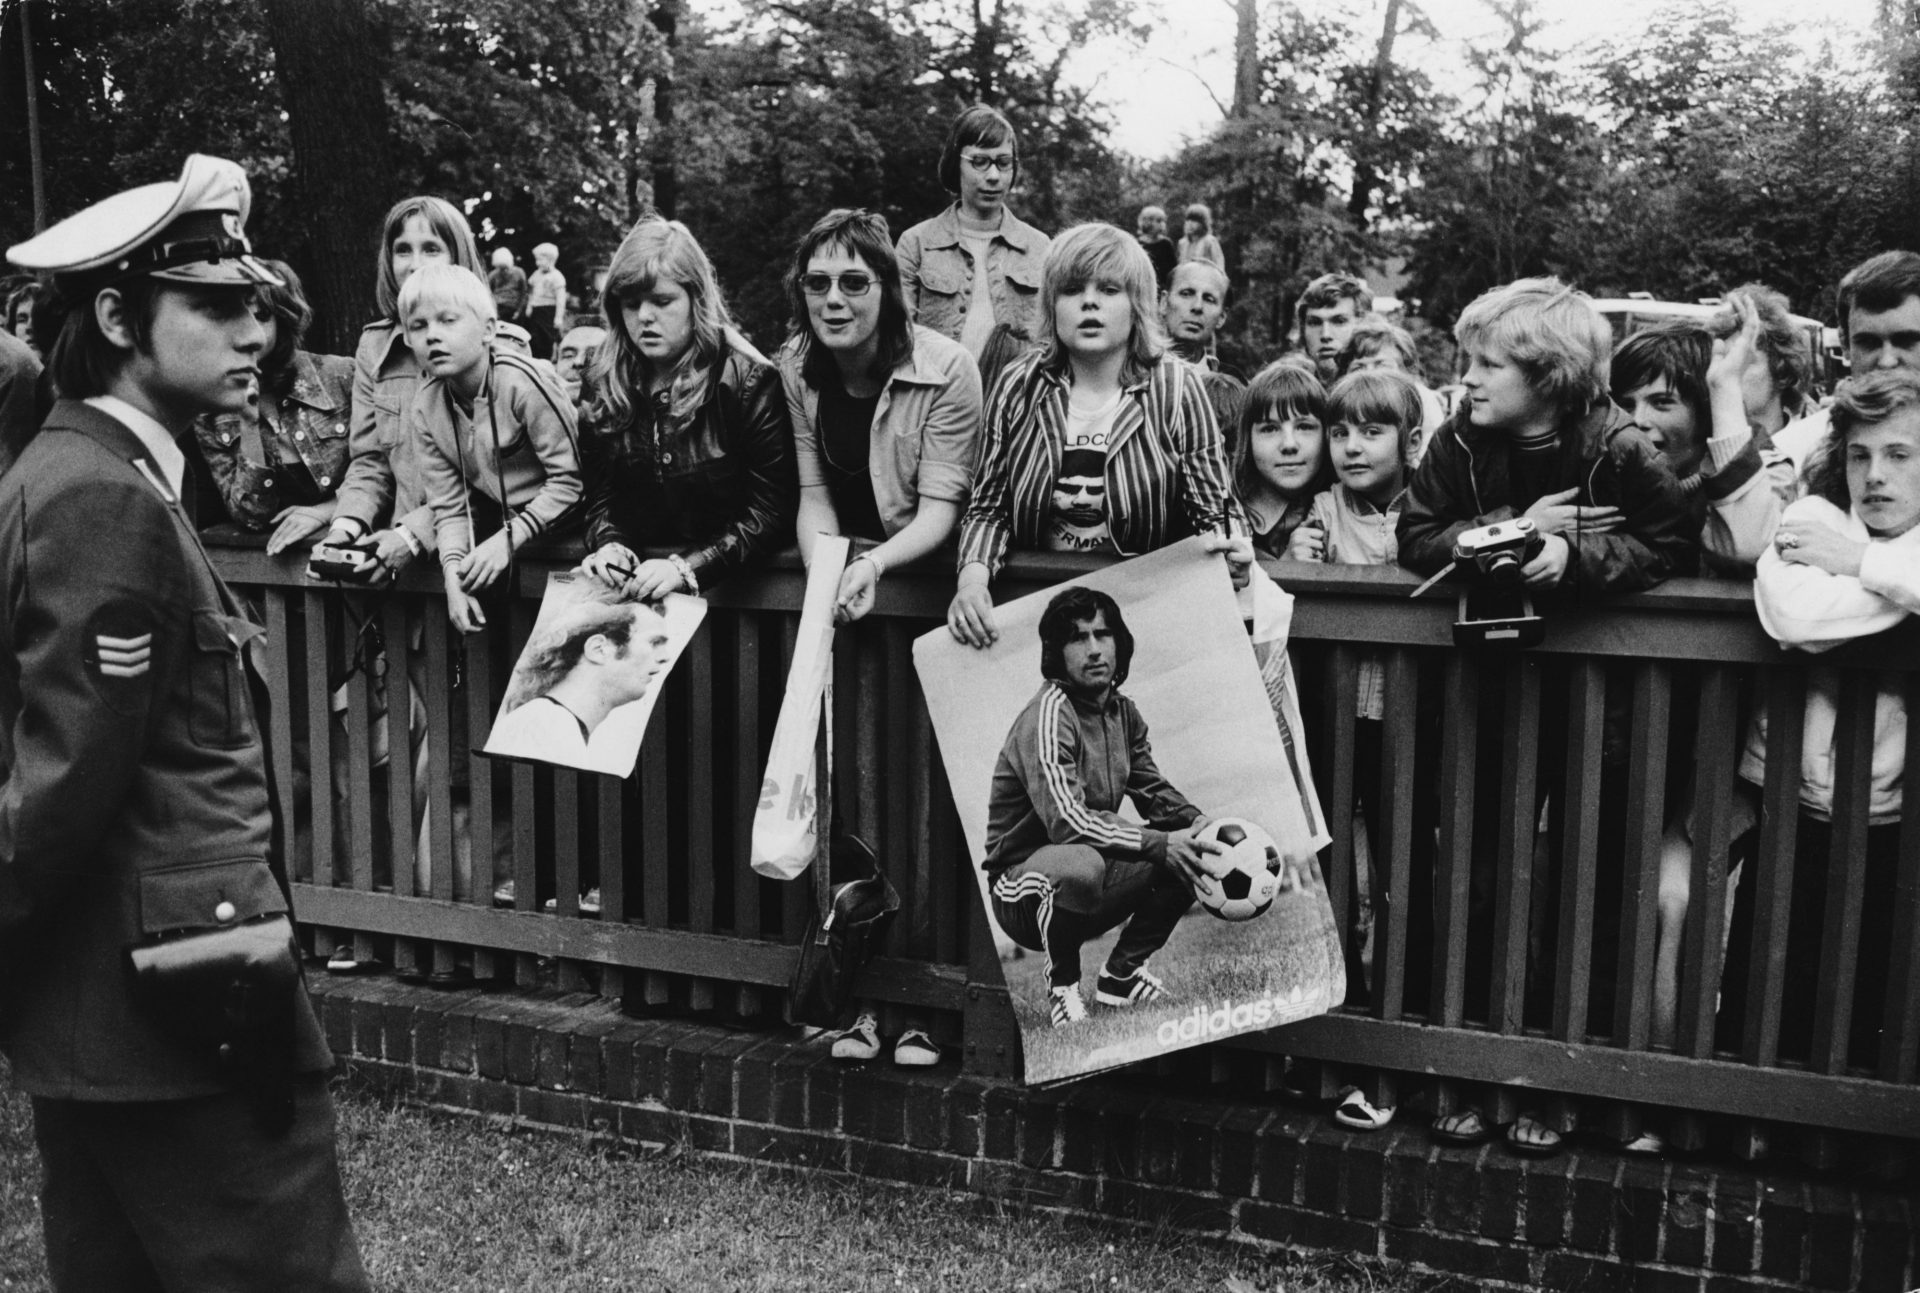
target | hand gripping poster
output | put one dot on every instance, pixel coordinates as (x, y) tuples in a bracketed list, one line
[(1128, 768)]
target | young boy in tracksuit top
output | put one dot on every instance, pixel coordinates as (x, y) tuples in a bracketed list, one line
[(1065, 865), (496, 434)]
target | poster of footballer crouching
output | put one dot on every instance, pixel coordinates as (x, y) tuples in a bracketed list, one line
[(1143, 828)]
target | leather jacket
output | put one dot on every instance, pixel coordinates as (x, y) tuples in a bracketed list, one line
[(722, 490)]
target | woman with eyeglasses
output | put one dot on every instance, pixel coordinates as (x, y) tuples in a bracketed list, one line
[(976, 263), (885, 413), (684, 442)]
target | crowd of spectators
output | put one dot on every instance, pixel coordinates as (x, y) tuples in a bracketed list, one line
[(977, 387)]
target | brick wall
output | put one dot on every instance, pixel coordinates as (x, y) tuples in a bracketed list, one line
[(1121, 1148)]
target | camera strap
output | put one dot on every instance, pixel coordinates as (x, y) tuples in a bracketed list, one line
[(1438, 575)]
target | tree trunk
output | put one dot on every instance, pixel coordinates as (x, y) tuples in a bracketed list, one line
[(1366, 176), (666, 174), (1246, 58), (330, 68)]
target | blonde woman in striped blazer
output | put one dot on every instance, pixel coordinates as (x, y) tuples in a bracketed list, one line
[(1099, 441)]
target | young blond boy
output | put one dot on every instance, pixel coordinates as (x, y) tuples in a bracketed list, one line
[(496, 434)]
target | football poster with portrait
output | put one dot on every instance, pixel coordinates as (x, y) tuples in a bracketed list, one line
[(586, 683), (1129, 772)]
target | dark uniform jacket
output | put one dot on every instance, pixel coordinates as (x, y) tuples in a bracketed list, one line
[(1463, 482), (135, 797), (1065, 769), (722, 489)]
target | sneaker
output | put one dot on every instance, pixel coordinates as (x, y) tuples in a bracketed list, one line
[(915, 1050), (860, 1042), (1065, 1004), (589, 903), (342, 960), (503, 894), (1143, 986)]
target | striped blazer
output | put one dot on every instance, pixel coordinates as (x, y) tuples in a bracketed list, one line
[(1166, 473)]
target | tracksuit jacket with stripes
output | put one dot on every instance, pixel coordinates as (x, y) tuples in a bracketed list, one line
[(1067, 764)]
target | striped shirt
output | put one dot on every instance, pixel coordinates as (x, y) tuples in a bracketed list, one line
[(1166, 470)]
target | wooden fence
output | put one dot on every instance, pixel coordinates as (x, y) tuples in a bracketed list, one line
[(1520, 798)]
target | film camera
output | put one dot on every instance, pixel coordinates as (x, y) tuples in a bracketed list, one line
[(347, 563), (1494, 608)]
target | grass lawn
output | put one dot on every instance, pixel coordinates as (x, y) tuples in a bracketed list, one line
[(466, 1204)]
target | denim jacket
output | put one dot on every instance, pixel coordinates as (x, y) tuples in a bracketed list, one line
[(248, 453), (937, 272)]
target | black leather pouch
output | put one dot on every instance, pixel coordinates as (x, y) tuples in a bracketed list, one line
[(219, 985), (839, 943)]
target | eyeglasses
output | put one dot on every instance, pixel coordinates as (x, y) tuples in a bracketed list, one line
[(981, 165), (852, 283)]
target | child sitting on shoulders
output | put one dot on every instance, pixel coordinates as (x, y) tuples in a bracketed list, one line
[(1280, 452), (1376, 418), (496, 435), (1845, 564)]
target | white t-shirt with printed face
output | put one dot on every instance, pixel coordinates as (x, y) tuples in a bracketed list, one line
[(1077, 514)]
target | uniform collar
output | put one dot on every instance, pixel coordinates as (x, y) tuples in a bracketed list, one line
[(154, 438)]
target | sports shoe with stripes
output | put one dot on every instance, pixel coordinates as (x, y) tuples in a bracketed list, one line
[(1143, 986), (1066, 1005)]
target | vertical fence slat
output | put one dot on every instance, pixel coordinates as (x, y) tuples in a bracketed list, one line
[(902, 792), (1640, 881), (326, 851), (402, 843), (1713, 751), (1579, 848), (439, 675), (1393, 858), (279, 681), (795, 894), (654, 847), (1846, 870), (746, 773), (610, 801), (1785, 699), (1900, 1039), (1340, 694), (1453, 875), (701, 861), (1519, 824)]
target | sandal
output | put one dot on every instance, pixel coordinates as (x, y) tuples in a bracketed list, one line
[(1462, 1127), (1359, 1113), (1647, 1144), (1529, 1135)]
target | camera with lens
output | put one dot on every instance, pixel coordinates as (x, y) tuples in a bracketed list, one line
[(1494, 608), (346, 563)]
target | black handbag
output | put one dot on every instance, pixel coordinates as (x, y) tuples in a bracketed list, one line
[(840, 942), (219, 985)]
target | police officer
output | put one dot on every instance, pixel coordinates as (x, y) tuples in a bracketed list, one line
[(135, 812)]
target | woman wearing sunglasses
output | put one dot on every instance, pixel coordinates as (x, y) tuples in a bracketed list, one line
[(976, 263), (684, 442), (885, 413)]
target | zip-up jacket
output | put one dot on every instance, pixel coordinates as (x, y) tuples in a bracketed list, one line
[(721, 489), (518, 448), (1067, 765), (1463, 482)]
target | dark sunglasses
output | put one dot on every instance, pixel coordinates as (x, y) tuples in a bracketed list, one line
[(852, 283)]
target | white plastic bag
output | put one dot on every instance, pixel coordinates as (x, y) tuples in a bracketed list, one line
[(786, 824)]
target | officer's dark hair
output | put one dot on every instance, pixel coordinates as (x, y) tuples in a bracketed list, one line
[(1065, 613), (865, 235), (1676, 350), (977, 127), (1878, 284), (1858, 402), (81, 362)]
